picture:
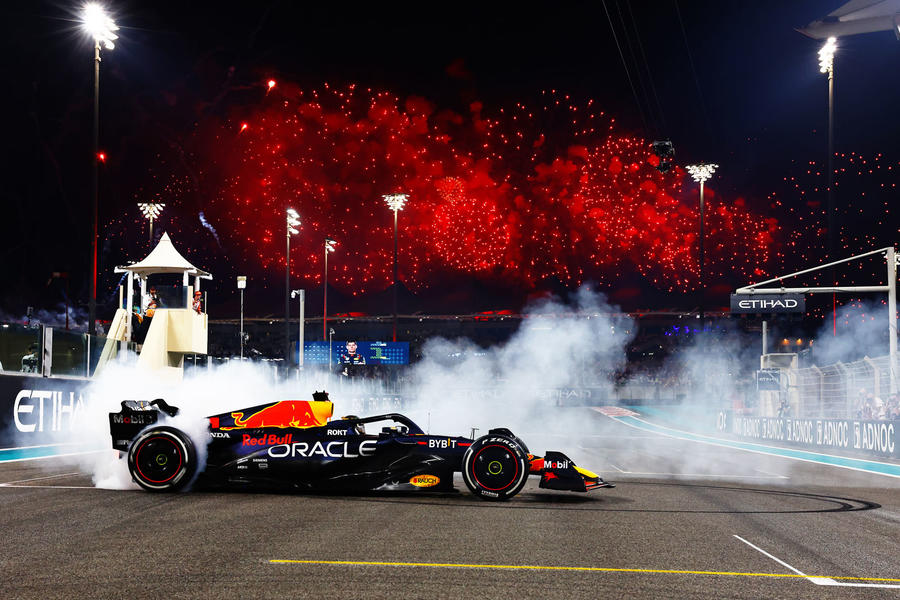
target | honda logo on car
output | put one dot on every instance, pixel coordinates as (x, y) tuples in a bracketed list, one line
[(329, 450)]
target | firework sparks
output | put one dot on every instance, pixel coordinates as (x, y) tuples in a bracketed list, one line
[(502, 197)]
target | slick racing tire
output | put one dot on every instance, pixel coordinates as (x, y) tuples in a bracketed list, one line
[(162, 459), (495, 467)]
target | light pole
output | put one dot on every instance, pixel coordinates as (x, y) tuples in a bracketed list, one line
[(329, 247), (102, 28), (395, 202), (302, 320), (241, 284), (293, 221), (826, 65), (151, 210), (330, 334), (701, 173)]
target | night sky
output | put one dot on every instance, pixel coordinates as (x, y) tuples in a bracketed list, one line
[(513, 126)]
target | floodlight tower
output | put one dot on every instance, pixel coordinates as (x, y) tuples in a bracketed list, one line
[(395, 202), (101, 28), (292, 221), (329, 247), (701, 173), (151, 211), (826, 65)]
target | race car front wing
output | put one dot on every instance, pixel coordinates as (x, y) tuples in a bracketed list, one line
[(559, 472)]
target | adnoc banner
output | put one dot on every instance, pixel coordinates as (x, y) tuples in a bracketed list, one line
[(34, 410), (767, 303), (879, 438)]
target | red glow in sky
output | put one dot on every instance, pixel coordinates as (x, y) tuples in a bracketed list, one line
[(517, 195)]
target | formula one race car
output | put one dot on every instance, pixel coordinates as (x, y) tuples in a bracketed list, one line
[(294, 443)]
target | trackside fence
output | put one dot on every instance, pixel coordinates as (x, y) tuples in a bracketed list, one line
[(859, 389)]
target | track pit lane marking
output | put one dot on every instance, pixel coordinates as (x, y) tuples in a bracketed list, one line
[(795, 575), (831, 581)]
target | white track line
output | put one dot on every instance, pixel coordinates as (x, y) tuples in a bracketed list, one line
[(39, 446), (50, 487), (818, 580), (719, 475), (39, 478)]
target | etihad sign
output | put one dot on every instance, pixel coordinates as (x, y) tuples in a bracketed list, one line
[(47, 410), (768, 303)]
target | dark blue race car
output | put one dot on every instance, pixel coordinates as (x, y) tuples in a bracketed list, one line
[(296, 444)]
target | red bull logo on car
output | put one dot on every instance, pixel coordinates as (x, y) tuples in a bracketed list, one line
[(287, 413), (266, 440)]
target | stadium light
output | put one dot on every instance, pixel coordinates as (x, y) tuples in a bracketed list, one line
[(329, 247), (826, 55), (701, 173), (99, 25), (395, 202), (101, 28), (151, 211), (292, 222)]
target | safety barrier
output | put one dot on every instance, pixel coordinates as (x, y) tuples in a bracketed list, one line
[(842, 390)]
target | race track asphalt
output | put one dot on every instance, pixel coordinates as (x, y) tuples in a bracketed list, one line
[(686, 521)]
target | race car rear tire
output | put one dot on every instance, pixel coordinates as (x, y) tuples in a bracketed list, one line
[(495, 467), (162, 459)]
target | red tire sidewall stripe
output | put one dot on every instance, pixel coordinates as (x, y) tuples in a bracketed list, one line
[(515, 475), (137, 454)]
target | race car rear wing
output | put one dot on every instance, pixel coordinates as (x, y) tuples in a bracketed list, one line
[(135, 415)]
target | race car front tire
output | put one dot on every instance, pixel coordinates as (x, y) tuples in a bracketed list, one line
[(495, 467), (162, 459)]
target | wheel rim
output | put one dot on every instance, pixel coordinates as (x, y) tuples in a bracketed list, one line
[(495, 468), (159, 459)]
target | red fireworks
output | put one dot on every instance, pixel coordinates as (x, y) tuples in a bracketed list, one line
[(519, 197)]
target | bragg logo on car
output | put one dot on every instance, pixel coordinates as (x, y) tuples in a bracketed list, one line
[(424, 481)]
